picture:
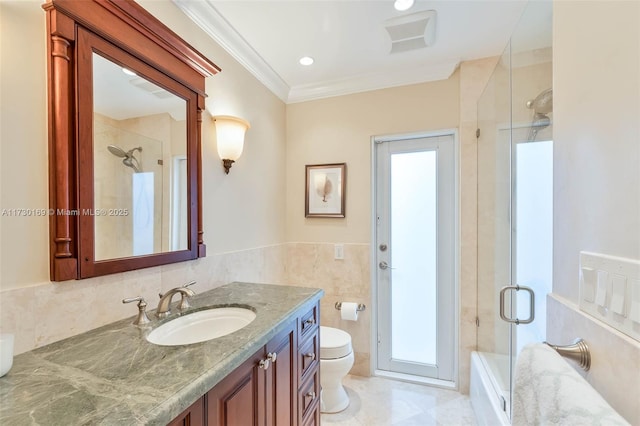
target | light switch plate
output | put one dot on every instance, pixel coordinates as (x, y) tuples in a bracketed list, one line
[(338, 252), (614, 297)]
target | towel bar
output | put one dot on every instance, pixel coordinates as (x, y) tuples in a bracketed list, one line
[(578, 351)]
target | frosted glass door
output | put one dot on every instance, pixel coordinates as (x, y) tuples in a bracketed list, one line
[(415, 256), (413, 242)]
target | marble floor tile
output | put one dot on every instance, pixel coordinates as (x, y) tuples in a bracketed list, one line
[(377, 401)]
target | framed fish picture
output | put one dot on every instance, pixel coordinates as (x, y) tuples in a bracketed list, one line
[(325, 190)]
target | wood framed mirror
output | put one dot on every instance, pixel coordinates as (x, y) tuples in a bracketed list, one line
[(126, 96)]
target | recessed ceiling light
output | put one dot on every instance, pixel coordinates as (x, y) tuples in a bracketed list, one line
[(128, 72), (306, 60), (403, 5)]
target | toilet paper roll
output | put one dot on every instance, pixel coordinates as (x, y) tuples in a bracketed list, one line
[(349, 311)]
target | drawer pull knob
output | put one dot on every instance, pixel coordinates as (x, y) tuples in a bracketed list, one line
[(264, 364), (311, 395), (310, 321), (311, 355)]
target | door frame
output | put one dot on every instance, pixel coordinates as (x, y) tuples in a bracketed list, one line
[(373, 255)]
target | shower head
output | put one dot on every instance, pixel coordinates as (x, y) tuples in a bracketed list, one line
[(117, 151), (543, 103), (129, 159)]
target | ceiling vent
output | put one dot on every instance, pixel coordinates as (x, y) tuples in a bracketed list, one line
[(413, 31), (150, 87)]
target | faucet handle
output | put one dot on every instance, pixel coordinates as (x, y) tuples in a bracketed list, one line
[(142, 318), (184, 301)]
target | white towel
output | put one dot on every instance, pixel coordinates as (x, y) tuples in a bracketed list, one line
[(548, 391)]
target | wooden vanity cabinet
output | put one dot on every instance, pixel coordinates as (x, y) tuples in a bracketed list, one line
[(276, 386)]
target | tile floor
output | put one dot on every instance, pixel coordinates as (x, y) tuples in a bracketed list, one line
[(377, 401)]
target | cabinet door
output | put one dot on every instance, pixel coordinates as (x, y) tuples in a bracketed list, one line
[(281, 383), (239, 399), (192, 416)]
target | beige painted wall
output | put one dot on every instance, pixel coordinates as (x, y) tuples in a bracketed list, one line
[(243, 209), (231, 222), (596, 70), (23, 144), (243, 222), (338, 130)]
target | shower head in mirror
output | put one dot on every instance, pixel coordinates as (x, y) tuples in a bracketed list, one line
[(129, 159), (543, 103), (117, 151), (540, 121)]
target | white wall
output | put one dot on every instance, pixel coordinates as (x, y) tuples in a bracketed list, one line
[(597, 133), (596, 71)]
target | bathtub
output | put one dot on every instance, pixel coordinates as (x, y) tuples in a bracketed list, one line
[(489, 388)]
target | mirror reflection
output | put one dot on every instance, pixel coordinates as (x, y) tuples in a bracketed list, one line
[(140, 166)]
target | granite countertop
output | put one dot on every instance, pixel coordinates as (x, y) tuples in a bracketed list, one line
[(113, 376)]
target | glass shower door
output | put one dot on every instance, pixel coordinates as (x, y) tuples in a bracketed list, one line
[(515, 198), (495, 336)]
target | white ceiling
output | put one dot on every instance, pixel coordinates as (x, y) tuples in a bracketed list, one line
[(348, 41)]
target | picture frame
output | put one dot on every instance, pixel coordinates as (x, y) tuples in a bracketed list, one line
[(325, 190)]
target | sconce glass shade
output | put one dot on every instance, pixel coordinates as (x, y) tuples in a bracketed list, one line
[(230, 138)]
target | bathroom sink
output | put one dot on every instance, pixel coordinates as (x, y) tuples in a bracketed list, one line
[(201, 326)]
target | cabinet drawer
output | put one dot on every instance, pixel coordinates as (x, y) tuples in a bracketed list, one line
[(308, 396), (308, 357), (308, 323)]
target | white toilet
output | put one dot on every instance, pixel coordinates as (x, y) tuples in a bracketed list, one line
[(336, 359)]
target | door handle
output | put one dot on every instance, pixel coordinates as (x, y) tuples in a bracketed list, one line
[(384, 265), (532, 305)]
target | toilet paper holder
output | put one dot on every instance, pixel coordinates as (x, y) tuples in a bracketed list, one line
[(361, 306)]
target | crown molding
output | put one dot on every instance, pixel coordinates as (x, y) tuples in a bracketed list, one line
[(207, 17), (373, 81)]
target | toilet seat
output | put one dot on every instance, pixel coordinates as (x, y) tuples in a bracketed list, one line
[(334, 343)]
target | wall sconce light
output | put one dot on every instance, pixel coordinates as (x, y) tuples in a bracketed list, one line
[(230, 137)]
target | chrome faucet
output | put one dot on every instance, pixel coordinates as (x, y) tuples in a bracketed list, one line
[(164, 305)]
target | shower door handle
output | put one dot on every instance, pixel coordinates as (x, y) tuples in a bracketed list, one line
[(532, 305)]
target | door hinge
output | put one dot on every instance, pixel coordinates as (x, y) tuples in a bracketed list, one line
[(379, 339), (477, 133), (477, 322)]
